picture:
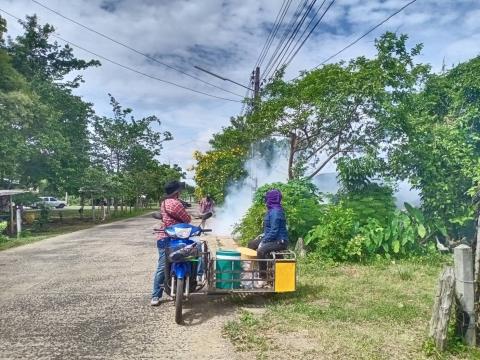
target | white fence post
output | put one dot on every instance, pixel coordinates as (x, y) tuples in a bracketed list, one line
[(465, 290), (19, 221)]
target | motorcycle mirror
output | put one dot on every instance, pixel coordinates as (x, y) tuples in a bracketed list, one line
[(157, 215)]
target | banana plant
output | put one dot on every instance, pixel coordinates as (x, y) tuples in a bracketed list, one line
[(424, 230)]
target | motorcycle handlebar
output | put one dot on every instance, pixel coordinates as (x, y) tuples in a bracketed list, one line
[(155, 231)]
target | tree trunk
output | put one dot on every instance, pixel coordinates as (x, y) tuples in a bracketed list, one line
[(82, 204), (93, 209), (293, 146)]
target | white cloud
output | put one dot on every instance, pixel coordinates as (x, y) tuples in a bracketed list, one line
[(226, 37)]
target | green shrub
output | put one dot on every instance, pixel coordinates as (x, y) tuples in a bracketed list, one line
[(301, 204), (44, 217), (3, 226), (340, 237), (373, 201), (399, 237), (332, 236)]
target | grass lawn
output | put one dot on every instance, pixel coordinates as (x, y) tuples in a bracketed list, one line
[(350, 311), (69, 223)]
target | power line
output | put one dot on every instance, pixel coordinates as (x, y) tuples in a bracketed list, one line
[(130, 68), (362, 36), (311, 31), (273, 33), (306, 28), (132, 49), (292, 22), (142, 73), (290, 40), (286, 33)]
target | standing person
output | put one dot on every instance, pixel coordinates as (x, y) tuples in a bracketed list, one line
[(172, 212), (275, 236), (206, 206)]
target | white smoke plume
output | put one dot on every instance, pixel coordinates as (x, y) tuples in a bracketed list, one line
[(240, 196), (263, 171)]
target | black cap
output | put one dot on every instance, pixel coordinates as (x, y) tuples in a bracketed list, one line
[(173, 187)]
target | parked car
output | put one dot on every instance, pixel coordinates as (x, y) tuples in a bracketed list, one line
[(51, 202)]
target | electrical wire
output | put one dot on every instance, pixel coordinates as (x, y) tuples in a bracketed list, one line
[(272, 34), (133, 49), (278, 28), (292, 22), (284, 51), (310, 33), (288, 31), (361, 37), (130, 68), (305, 30), (290, 40)]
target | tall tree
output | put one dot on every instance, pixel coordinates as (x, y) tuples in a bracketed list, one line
[(48, 125), (338, 110), (122, 142), (437, 146)]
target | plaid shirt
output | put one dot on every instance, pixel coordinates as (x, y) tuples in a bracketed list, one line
[(173, 213), (206, 206)]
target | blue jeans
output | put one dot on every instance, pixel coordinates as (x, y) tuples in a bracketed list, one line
[(159, 279), (201, 265)]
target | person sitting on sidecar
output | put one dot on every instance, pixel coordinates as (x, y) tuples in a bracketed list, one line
[(275, 236)]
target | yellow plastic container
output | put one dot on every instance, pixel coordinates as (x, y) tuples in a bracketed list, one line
[(285, 275), (246, 253)]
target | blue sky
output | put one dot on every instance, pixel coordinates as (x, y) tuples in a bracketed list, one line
[(226, 37)]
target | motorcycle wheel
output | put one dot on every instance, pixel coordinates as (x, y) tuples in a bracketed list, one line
[(178, 301)]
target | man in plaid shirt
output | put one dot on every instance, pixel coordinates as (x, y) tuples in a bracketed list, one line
[(172, 212)]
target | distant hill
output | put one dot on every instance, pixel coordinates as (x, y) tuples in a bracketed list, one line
[(327, 183)]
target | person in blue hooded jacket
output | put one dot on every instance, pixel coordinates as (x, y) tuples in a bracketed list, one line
[(275, 236)]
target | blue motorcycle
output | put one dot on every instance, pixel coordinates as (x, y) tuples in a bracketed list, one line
[(186, 264)]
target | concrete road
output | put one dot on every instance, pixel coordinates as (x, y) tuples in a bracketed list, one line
[(85, 295)]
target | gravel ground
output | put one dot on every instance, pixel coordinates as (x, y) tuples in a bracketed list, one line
[(85, 295)]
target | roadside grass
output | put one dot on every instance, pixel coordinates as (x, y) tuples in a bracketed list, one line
[(68, 225), (379, 310)]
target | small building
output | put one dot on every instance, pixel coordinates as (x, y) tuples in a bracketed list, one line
[(6, 201)]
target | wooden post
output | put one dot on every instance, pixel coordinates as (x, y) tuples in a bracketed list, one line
[(442, 308), (465, 290)]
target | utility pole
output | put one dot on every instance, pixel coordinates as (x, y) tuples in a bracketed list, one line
[(256, 83), (256, 96)]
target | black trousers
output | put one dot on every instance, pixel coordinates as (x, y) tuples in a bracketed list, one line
[(263, 251)]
